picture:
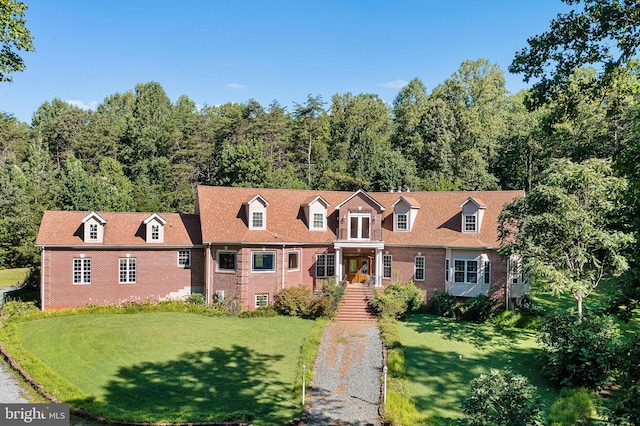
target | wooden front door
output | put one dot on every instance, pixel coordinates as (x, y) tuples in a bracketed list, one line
[(358, 269)]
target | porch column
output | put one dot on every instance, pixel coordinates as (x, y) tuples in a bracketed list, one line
[(338, 265), (379, 267)]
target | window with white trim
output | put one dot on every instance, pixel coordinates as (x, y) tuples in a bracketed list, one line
[(262, 300), (446, 269), (318, 221), (465, 271), (359, 226), (487, 272), (93, 231), (155, 232), (293, 263), (127, 270), (418, 273), (470, 223), (402, 222), (386, 265), (325, 265), (263, 261), (257, 220), (225, 261), (184, 258), (82, 271)]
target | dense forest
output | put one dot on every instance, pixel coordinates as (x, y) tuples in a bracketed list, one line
[(139, 151)]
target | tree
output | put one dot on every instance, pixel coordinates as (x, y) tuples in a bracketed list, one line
[(14, 37), (603, 33), (502, 398), (563, 229), (310, 119), (579, 350)]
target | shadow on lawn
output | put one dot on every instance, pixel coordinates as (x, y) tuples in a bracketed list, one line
[(200, 386)]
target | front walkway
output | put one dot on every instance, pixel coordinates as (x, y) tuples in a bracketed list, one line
[(346, 388)]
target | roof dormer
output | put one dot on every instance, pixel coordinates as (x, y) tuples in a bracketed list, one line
[(405, 210), (154, 228), (257, 212), (93, 228), (472, 213), (315, 211)]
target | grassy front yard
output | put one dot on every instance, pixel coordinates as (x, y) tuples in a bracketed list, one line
[(443, 356), (10, 277), (165, 366)]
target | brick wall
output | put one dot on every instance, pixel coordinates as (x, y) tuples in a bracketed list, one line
[(403, 266), (157, 276)]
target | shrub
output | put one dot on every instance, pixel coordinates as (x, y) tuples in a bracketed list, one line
[(579, 351), (626, 409), (478, 309), (574, 406), (445, 305), (293, 301), (398, 300), (196, 299), (322, 305), (502, 398), (266, 311)]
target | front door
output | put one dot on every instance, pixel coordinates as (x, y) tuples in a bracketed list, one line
[(358, 269)]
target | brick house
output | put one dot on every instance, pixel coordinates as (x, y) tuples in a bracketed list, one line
[(246, 244)]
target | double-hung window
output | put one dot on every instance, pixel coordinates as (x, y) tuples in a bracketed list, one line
[(257, 220), (155, 232), (263, 261), (386, 265), (418, 274), (487, 272), (262, 300), (226, 261), (93, 231), (470, 223), (184, 258), (318, 221), (465, 271), (294, 260), (325, 265), (127, 270), (402, 223), (82, 271)]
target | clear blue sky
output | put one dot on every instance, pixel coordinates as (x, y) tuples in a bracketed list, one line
[(220, 51)]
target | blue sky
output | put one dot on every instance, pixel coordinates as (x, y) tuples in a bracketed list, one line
[(220, 51)]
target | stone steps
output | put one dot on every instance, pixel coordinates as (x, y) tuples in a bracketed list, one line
[(354, 306)]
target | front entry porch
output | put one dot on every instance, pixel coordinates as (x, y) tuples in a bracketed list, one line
[(359, 263)]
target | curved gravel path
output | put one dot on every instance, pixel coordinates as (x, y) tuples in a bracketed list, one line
[(10, 390), (346, 387)]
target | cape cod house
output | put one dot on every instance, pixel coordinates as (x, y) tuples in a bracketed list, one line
[(246, 244)]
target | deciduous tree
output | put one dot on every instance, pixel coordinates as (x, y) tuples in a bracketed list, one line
[(14, 38)]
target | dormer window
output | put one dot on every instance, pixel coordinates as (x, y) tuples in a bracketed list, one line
[(93, 228), (155, 228), (315, 210), (405, 210), (470, 223), (258, 220), (256, 210), (472, 213)]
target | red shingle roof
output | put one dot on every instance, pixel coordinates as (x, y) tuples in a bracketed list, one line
[(61, 228), (438, 221)]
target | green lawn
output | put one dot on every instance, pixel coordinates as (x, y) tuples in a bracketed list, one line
[(443, 356), (9, 277), (159, 367)]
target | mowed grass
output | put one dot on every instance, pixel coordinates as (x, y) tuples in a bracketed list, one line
[(159, 367), (444, 356), (11, 277)]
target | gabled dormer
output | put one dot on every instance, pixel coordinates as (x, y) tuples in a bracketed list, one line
[(405, 210), (154, 228), (93, 228), (472, 213), (315, 211), (256, 209)]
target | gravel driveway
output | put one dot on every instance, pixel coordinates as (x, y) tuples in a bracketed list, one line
[(346, 388)]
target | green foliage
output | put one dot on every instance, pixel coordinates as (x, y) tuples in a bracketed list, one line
[(293, 301), (14, 37), (502, 398), (575, 406), (474, 309), (263, 312), (626, 410), (196, 299), (398, 300), (579, 351)]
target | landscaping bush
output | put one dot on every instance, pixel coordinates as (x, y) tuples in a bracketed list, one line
[(478, 309), (398, 300), (266, 311), (502, 398), (579, 351), (322, 305), (444, 305), (574, 406), (196, 299), (293, 301), (626, 409)]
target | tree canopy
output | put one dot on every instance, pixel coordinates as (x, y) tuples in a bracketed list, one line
[(14, 38)]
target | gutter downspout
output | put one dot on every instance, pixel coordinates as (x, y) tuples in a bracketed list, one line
[(42, 279), (283, 265), (207, 271)]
